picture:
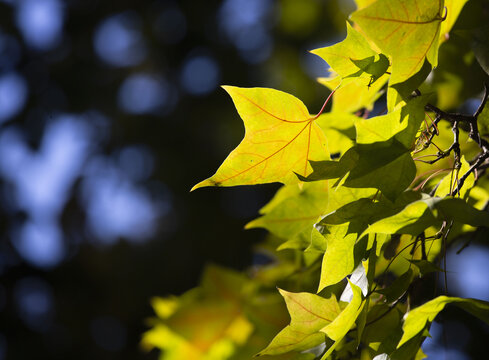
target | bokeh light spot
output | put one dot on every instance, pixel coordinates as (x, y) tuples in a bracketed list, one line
[(143, 94), (13, 95), (34, 301), (118, 40), (41, 244), (41, 22), (200, 75)]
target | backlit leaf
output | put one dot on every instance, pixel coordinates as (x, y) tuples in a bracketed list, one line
[(297, 212), (453, 10), (406, 30), (338, 261), (416, 319), (280, 139), (309, 314), (354, 57), (344, 322), (355, 94)]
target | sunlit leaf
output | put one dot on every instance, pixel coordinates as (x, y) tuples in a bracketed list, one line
[(280, 139), (337, 329), (295, 213), (353, 57), (406, 30), (449, 182), (309, 314), (416, 319), (355, 94), (453, 10), (338, 261)]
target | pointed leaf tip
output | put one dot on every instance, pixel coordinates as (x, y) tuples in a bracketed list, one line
[(280, 139)]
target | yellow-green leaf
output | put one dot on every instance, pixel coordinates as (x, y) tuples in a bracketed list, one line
[(338, 260), (345, 57), (297, 212), (309, 314), (355, 94), (280, 139), (343, 323), (416, 319), (406, 30), (453, 10)]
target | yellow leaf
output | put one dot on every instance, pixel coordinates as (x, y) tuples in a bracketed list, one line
[(407, 30), (281, 137)]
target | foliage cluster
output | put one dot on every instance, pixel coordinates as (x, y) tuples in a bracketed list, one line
[(371, 199)]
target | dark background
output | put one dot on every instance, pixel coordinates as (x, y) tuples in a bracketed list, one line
[(109, 112)]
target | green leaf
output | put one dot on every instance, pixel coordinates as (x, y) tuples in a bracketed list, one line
[(389, 169), (416, 320), (280, 139), (444, 187), (309, 314), (398, 288), (296, 212), (413, 219), (425, 266), (339, 128), (454, 7), (338, 260), (337, 329), (353, 57), (419, 215), (401, 124), (354, 94), (480, 45), (406, 30)]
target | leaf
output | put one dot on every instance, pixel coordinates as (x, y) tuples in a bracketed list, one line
[(419, 215), (355, 94), (398, 287), (363, 3), (413, 219), (401, 124), (338, 260), (406, 30), (337, 329), (295, 213), (389, 169), (309, 314), (280, 139), (353, 57), (480, 45), (416, 319), (425, 266), (444, 187), (358, 278), (339, 128), (454, 7)]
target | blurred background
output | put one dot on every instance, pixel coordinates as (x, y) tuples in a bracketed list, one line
[(109, 112)]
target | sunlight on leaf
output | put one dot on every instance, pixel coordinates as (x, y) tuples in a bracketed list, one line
[(416, 319), (281, 137), (406, 30)]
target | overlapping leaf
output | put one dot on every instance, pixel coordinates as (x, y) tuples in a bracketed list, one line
[(280, 139), (416, 320), (309, 314), (421, 214), (298, 210), (353, 57), (406, 30), (354, 95)]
